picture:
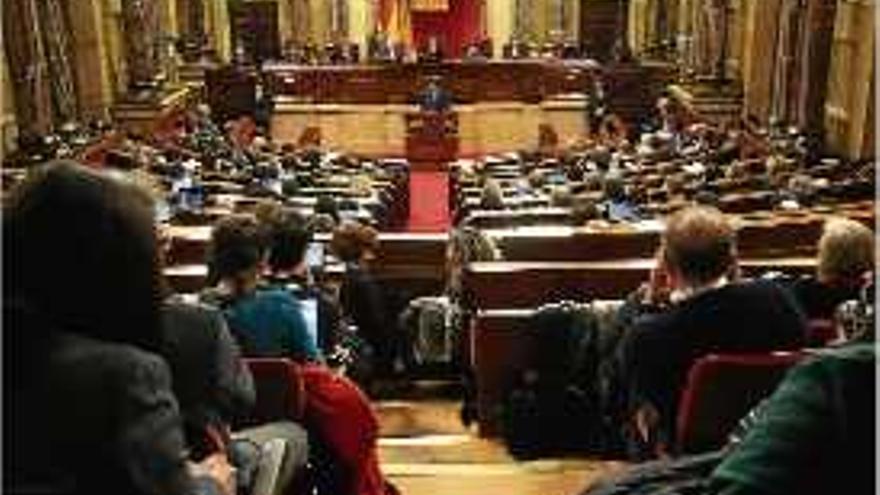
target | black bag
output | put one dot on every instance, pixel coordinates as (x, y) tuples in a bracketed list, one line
[(552, 407)]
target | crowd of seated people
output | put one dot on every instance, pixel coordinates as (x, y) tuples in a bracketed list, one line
[(693, 179), (106, 332), (257, 308), (92, 408), (664, 170)]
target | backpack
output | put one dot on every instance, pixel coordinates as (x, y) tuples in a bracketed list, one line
[(552, 406), (427, 330)]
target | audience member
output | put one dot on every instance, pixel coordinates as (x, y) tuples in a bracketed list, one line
[(707, 310), (584, 210), (267, 321), (288, 269), (618, 207), (91, 409), (215, 391), (492, 197), (846, 256), (814, 435), (360, 295)]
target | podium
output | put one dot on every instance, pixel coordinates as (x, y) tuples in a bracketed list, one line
[(431, 139)]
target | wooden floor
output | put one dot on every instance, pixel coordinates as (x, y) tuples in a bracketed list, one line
[(425, 450)]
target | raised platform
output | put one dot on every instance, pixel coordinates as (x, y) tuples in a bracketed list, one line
[(380, 130)]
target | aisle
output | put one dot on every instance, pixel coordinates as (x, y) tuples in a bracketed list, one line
[(425, 451), (428, 201)]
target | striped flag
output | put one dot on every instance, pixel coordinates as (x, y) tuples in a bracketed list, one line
[(394, 19)]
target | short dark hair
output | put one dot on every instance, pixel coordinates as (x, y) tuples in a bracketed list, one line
[(80, 249), (289, 240), (583, 210), (350, 240), (699, 243), (325, 203), (238, 243)]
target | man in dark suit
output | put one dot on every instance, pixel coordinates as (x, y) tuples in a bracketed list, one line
[(434, 98), (705, 311)]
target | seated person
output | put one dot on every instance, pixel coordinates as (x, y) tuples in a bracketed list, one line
[(491, 196), (432, 53), (90, 408), (360, 295), (846, 256), (290, 239), (811, 436), (618, 207), (814, 435), (268, 322), (215, 390), (705, 311)]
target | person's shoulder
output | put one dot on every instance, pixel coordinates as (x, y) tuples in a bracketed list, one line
[(845, 356), (275, 293), (650, 328), (111, 362), (194, 313), (750, 291)]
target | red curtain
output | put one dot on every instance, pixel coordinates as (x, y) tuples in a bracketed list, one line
[(454, 28)]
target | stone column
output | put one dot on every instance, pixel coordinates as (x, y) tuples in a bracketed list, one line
[(501, 23), (27, 68), (94, 86), (141, 35), (361, 23), (8, 127)]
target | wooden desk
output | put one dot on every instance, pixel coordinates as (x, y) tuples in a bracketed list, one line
[(509, 80), (761, 235), (494, 285), (631, 89)]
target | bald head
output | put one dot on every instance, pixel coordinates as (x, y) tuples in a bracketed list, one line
[(699, 244)]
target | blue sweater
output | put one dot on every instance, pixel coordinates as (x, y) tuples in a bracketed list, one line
[(269, 323)]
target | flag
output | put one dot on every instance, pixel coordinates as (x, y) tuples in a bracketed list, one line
[(394, 19)]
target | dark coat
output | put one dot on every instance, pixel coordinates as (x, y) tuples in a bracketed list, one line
[(737, 318), (88, 416)]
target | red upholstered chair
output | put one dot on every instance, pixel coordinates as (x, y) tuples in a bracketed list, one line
[(280, 389), (720, 390)]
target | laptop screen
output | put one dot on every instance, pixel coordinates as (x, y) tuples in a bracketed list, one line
[(315, 255), (309, 307)]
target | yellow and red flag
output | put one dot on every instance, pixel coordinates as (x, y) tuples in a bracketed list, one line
[(394, 19)]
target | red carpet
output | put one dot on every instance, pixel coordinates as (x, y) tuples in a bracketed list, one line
[(428, 201)]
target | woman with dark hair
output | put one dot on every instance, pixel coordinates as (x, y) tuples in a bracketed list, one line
[(90, 409)]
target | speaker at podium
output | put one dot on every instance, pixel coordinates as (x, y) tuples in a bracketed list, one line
[(432, 132)]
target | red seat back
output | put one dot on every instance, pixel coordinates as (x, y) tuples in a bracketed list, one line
[(280, 389), (720, 390)]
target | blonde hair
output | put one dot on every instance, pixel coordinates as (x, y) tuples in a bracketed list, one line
[(846, 250)]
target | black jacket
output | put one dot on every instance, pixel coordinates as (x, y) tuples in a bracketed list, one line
[(211, 382), (94, 417), (738, 318)]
